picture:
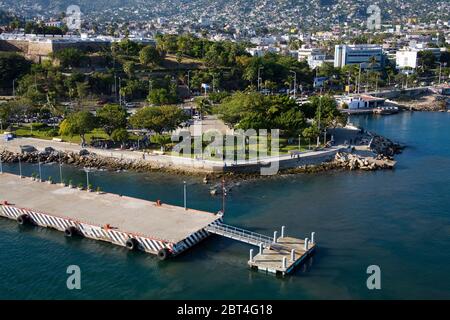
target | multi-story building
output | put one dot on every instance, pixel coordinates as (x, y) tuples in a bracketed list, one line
[(359, 54), (408, 57), (315, 57)]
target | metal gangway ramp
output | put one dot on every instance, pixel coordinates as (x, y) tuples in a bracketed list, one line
[(242, 235), (279, 255)]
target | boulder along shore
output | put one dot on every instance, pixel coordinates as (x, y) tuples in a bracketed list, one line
[(379, 155)]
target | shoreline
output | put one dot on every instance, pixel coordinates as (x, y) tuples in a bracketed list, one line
[(377, 155)]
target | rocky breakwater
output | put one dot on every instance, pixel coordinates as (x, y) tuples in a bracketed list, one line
[(353, 161), (383, 146), (81, 159)]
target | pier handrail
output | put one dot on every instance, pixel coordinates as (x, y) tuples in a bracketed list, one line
[(240, 234)]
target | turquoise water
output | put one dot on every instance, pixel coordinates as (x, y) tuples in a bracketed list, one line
[(398, 220)]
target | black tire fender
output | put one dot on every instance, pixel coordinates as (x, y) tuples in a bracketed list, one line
[(132, 244), (164, 254), (71, 232), (23, 219)]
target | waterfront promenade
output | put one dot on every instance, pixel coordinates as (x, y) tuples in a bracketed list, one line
[(181, 163)]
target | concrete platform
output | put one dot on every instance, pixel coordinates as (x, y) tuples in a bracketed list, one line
[(134, 216), (271, 259)]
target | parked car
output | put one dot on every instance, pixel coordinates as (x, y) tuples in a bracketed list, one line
[(27, 149)]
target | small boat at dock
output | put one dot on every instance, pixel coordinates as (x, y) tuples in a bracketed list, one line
[(386, 110)]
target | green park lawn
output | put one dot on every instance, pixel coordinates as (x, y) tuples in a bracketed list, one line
[(47, 133)]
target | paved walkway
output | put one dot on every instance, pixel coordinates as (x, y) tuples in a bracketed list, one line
[(160, 160)]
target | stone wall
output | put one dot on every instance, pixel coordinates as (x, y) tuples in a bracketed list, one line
[(39, 50)]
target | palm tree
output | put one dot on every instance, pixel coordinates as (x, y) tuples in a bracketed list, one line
[(203, 106), (372, 62)]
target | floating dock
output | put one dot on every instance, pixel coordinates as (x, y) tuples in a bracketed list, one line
[(137, 224), (278, 255)]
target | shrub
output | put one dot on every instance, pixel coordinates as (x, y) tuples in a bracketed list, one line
[(52, 133), (38, 126)]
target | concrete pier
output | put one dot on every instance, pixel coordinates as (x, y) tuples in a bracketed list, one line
[(109, 217), (137, 224)]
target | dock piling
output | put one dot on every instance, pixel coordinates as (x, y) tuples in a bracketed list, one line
[(306, 244), (251, 255), (283, 228), (275, 236), (284, 262), (312, 237), (261, 248), (293, 255)]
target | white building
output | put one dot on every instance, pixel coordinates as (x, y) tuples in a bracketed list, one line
[(406, 59), (57, 24), (260, 51), (315, 57), (361, 102), (359, 54)]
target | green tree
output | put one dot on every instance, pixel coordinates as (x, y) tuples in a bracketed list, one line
[(161, 97), (203, 105), (327, 112), (5, 113), (255, 111), (149, 56), (158, 119), (426, 59), (112, 117), (311, 133), (70, 57), (120, 135), (161, 139), (12, 67), (82, 90), (129, 68), (79, 123)]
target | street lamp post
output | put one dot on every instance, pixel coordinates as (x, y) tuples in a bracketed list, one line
[(359, 79), (120, 95), (14, 88), (440, 72), (60, 169), (20, 167), (295, 83), (189, 81), (40, 169), (318, 125), (115, 87), (87, 177), (185, 195), (259, 78)]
